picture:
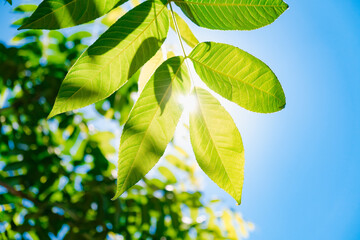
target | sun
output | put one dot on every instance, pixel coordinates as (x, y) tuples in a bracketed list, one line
[(189, 102)]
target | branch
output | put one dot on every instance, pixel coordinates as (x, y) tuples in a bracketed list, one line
[(20, 194), (17, 193)]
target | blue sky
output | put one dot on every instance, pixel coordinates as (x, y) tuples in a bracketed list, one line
[(302, 178)]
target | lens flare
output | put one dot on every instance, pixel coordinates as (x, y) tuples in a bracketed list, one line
[(188, 102)]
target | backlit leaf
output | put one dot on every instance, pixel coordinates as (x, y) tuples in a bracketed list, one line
[(55, 14), (177, 162), (217, 143), (170, 177), (185, 31), (134, 3), (103, 139), (243, 230), (229, 226), (232, 14), (238, 76), (212, 221), (152, 122), (114, 57), (181, 151), (113, 16), (149, 68), (25, 8), (170, 54)]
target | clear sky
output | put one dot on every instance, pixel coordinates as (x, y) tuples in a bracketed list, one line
[(302, 173)]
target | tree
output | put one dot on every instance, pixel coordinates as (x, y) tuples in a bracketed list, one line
[(133, 40), (55, 179)]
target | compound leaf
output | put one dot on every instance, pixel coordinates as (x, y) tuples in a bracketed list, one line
[(238, 76), (114, 57), (152, 122), (217, 143), (55, 14), (232, 14)]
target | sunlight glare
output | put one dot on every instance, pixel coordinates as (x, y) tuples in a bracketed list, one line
[(188, 102)]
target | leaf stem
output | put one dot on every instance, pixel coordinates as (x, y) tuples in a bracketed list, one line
[(177, 29), (181, 43)]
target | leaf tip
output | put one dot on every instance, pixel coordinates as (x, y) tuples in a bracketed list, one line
[(24, 25), (238, 200), (51, 114), (282, 107), (117, 194), (115, 197), (286, 6)]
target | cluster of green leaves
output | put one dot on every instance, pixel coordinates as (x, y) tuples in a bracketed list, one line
[(55, 179), (130, 42)]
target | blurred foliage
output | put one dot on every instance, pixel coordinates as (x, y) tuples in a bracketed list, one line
[(56, 181)]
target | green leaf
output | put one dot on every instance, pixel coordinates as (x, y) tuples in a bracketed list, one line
[(149, 68), (213, 225), (55, 14), (180, 164), (169, 176), (185, 31), (20, 21), (238, 76), (103, 139), (217, 143), (114, 57), (9, 1), (134, 3), (232, 14), (113, 16), (240, 221), (152, 122), (78, 36), (181, 151), (229, 226), (25, 8)]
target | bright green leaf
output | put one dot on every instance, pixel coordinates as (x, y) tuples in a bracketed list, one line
[(232, 14), (103, 139), (20, 21), (185, 31), (78, 36), (238, 76), (114, 57), (170, 177), (134, 3), (27, 34), (25, 8), (113, 16), (181, 151), (194, 213), (240, 221), (152, 122), (229, 226), (217, 143), (149, 68), (212, 223), (180, 164), (55, 14)]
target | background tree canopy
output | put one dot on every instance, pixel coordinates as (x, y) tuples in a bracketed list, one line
[(56, 181)]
